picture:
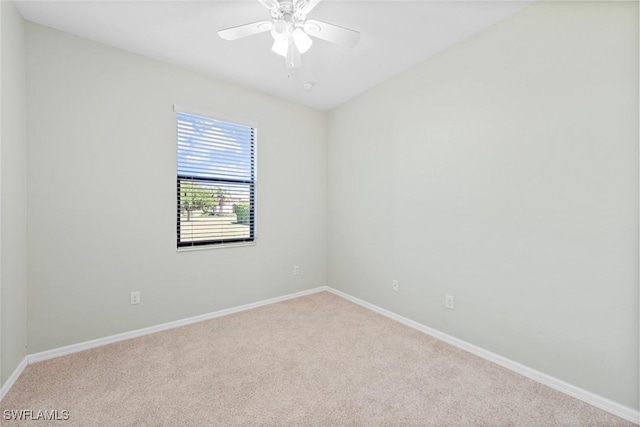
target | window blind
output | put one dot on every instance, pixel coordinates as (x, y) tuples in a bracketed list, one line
[(216, 181)]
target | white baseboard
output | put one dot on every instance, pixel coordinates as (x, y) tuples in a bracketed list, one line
[(13, 378), (562, 386), (86, 345)]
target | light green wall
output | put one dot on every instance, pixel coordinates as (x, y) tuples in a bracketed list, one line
[(13, 202), (504, 172), (102, 164)]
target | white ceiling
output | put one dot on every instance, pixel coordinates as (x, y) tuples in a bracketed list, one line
[(394, 36)]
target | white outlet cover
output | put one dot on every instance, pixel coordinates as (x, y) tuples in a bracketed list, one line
[(449, 302), (394, 285), (135, 297)]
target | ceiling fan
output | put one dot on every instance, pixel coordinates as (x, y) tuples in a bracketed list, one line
[(291, 29)]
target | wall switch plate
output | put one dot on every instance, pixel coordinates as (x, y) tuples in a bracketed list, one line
[(296, 270), (394, 285), (449, 302), (135, 297)]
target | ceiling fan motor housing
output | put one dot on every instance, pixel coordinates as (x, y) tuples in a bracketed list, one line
[(289, 10)]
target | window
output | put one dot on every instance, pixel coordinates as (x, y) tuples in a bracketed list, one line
[(216, 183)]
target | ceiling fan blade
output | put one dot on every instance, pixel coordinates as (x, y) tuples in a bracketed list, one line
[(269, 4), (306, 8), (331, 33), (246, 30)]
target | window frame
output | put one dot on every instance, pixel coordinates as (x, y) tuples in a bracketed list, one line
[(252, 184)]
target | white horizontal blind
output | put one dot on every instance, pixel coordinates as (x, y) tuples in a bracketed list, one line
[(216, 181)]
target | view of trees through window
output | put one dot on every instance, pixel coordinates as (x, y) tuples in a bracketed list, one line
[(213, 211)]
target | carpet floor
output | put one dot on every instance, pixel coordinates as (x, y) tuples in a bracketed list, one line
[(316, 360)]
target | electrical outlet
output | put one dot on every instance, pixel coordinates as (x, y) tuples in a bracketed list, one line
[(394, 285), (135, 297), (296, 270), (449, 302)]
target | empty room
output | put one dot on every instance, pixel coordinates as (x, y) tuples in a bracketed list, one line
[(330, 213)]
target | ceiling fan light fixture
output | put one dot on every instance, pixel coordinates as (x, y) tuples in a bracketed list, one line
[(281, 47), (302, 41), (280, 30)]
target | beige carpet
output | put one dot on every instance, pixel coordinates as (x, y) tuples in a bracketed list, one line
[(316, 360)]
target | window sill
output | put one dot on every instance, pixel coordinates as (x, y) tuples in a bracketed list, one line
[(218, 246)]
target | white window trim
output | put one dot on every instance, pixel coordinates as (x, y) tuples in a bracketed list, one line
[(213, 115), (177, 108)]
